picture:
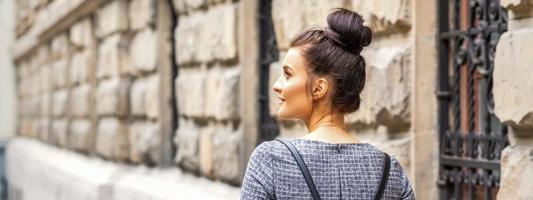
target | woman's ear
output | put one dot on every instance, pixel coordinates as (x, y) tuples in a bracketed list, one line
[(320, 88)]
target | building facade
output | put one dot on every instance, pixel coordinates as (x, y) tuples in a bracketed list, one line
[(158, 99)]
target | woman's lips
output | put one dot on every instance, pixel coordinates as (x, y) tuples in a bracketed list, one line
[(281, 100)]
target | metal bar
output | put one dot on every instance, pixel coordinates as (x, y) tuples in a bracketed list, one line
[(470, 163), (268, 53)]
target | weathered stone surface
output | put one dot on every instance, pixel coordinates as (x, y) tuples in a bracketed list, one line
[(81, 34), (25, 127), (222, 89), (142, 13), (58, 134), (44, 85), (43, 54), (143, 51), (385, 99), (518, 8), (511, 77), (144, 97), (60, 103), (191, 43), (273, 75), (112, 56), (44, 104), (384, 15), (152, 97), (60, 46), (516, 173), (80, 136), (205, 151), (186, 141), (112, 139), (226, 157), (80, 99), (186, 6), (137, 97), (399, 149), (190, 93), (60, 72), (145, 142), (291, 17), (112, 97), (81, 65), (43, 129), (111, 18)]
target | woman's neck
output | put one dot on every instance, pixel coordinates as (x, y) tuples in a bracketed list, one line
[(324, 120), (328, 128)]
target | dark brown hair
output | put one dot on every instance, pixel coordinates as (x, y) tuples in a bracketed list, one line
[(334, 52)]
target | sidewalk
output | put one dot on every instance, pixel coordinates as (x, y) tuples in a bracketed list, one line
[(39, 171)]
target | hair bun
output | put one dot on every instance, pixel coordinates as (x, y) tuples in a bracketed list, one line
[(346, 29)]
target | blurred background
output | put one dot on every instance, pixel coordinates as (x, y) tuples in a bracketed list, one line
[(166, 99)]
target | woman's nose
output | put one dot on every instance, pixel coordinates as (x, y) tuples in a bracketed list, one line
[(277, 86)]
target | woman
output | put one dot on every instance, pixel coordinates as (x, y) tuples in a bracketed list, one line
[(322, 78)]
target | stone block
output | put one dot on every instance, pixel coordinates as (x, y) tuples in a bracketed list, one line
[(194, 28), (291, 17), (60, 103), (143, 51), (188, 6), (142, 13), (60, 46), (60, 73), (137, 98), (58, 134), (145, 142), (385, 16), (190, 93), (273, 75), (80, 138), (186, 141), (80, 101), (222, 93), (152, 97), (112, 97), (516, 173), (205, 151), (385, 100), (112, 56), (512, 66), (82, 34), (144, 97), (112, 139), (226, 157), (43, 129), (44, 104), (81, 66), (112, 18)]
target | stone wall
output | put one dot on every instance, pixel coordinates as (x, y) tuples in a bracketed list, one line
[(512, 83), (384, 118), (207, 89), (93, 85)]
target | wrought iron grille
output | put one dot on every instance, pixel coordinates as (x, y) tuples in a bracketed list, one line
[(268, 53), (470, 136)]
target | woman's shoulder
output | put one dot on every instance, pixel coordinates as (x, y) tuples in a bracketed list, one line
[(267, 149)]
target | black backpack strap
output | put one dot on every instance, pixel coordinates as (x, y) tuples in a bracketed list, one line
[(303, 169), (384, 178)]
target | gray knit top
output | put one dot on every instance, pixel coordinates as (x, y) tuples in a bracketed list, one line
[(339, 171)]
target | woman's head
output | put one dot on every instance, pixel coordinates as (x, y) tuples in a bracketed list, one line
[(323, 70)]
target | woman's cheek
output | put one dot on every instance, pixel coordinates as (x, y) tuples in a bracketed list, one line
[(296, 104)]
